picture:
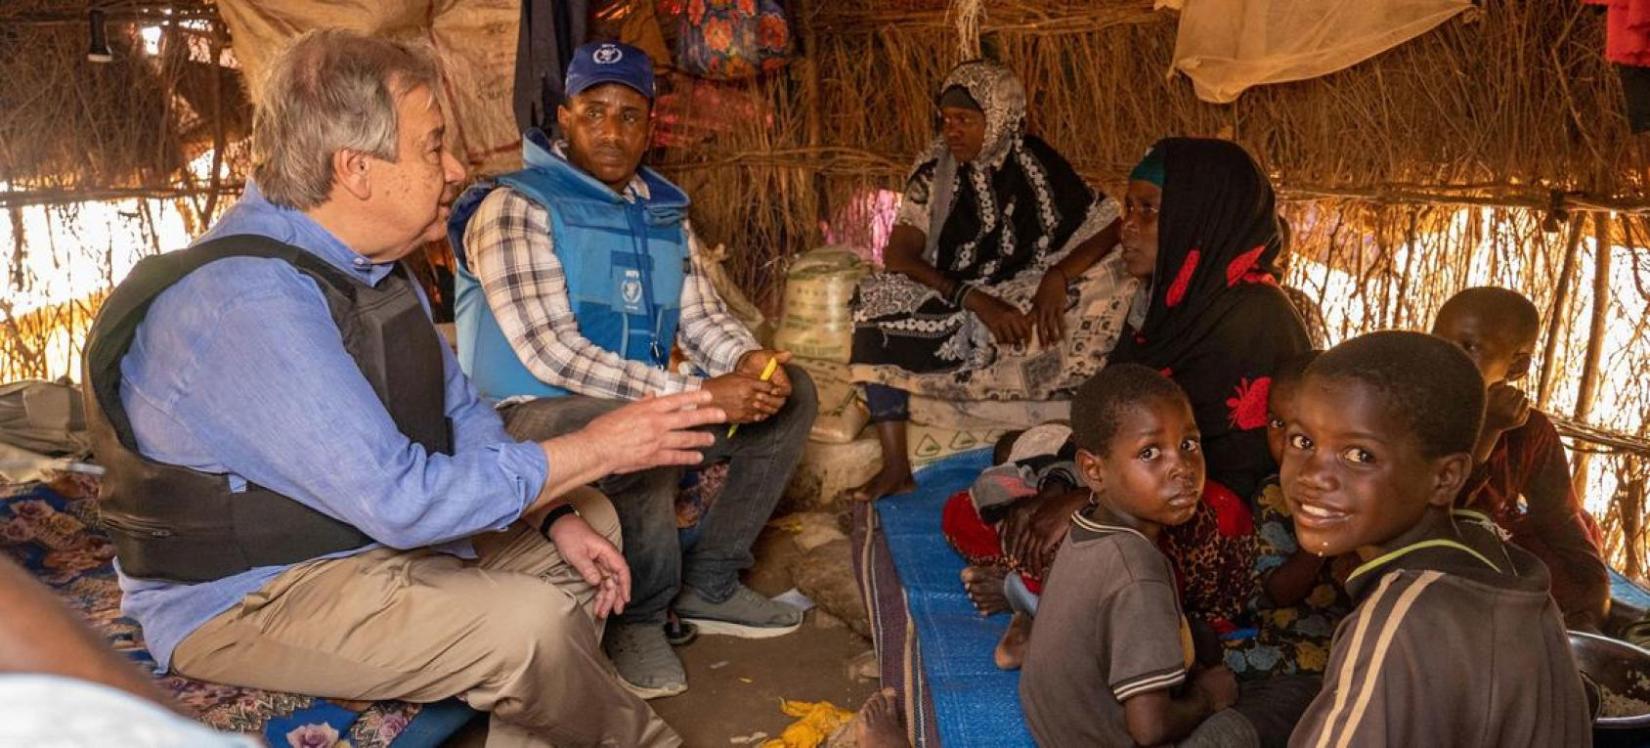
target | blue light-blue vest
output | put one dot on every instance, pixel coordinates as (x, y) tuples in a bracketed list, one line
[(625, 263)]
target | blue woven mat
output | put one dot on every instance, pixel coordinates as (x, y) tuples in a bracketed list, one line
[(975, 703), (1625, 590)]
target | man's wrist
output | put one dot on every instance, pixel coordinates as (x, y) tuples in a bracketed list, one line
[(556, 513)]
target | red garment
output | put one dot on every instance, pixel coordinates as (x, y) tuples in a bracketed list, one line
[(1213, 554), (1528, 462), (1627, 31), (976, 541)]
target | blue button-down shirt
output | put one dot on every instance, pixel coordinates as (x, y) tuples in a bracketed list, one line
[(239, 370)]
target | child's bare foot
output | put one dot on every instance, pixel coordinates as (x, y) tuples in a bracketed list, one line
[(879, 724), (1011, 651), (885, 483), (985, 587)]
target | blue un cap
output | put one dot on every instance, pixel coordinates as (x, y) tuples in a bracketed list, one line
[(609, 62)]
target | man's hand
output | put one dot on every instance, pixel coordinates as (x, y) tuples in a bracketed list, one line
[(1508, 408), (1048, 308), (1218, 685), (1049, 526), (743, 397), (1007, 325), (752, 364), (596, 560), (654, 431)]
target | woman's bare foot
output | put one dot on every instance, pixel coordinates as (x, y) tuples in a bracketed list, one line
[(879, 724), (895, 475), (985, 587), (1011, 651), (886, 482)]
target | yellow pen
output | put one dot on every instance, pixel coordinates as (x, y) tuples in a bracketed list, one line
[(767, 374)]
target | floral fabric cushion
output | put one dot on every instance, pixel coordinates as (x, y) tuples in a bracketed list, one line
[(49, 531)]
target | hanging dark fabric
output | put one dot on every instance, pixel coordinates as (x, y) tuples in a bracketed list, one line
[(1635, 88), (550, 31)]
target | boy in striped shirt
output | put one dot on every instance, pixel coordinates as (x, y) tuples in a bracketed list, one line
[(1455, 640)]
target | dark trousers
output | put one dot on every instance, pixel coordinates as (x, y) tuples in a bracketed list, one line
[(761, 458), (887, 403)]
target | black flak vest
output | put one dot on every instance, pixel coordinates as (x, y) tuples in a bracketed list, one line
[(174, 523)]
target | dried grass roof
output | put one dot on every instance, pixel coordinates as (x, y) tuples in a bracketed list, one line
[(1506, 108)]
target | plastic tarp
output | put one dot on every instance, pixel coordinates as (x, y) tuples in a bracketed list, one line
[(475, 40), (42, 425), (1226, 46), (45, 417)]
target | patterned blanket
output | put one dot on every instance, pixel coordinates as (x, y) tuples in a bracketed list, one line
[(48, 529)]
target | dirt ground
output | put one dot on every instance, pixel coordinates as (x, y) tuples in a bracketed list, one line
[(735, 685)]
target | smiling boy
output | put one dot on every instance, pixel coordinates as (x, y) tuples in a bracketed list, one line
[(1447, 645)]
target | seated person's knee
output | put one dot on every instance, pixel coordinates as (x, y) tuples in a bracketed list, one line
[(598, 512)]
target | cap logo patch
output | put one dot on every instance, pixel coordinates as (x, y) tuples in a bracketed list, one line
[(607, 54)]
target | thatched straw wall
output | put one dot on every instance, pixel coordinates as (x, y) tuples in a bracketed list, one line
[(1511, 111), (1501, 109), (71, 128)]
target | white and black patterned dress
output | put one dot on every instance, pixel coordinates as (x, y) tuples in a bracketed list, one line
[(998, 222)]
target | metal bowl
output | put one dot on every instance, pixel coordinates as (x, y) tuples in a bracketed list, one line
[(1614, 664)]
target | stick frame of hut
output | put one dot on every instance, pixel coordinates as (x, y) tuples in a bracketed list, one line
[(1492, 149)]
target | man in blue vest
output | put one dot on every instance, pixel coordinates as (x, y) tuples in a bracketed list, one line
[(304, 492), (577, 276)]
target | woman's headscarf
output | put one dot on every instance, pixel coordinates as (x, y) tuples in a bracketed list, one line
[(1216, 322), (1217, 229), (991, 217)]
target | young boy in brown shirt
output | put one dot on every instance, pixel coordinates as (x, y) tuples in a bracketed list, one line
[(1518, 454), (1454, 640), (1110, 658)]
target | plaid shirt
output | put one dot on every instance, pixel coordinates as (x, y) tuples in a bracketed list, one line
[(510, 250)]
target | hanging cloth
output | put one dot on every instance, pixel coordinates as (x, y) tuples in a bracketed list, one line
[(550, 31)]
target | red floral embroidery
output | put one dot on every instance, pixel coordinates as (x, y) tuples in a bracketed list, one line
[(1167, 372), (1242, 269), (1248, 405), (1182, 280), (1231, 511)]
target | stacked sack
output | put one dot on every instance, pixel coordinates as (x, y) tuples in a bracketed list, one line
[(817, 327)]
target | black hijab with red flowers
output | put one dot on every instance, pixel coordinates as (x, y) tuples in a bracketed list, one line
[(1217, 323)]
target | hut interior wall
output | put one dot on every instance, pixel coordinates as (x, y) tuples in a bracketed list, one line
[(1470, 155)]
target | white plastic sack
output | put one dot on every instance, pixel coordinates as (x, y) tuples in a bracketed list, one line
[(817, 322)]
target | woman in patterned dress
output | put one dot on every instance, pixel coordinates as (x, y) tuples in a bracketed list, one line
[(994, 231)]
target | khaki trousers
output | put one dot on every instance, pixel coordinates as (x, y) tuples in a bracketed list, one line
[(512, 633)]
